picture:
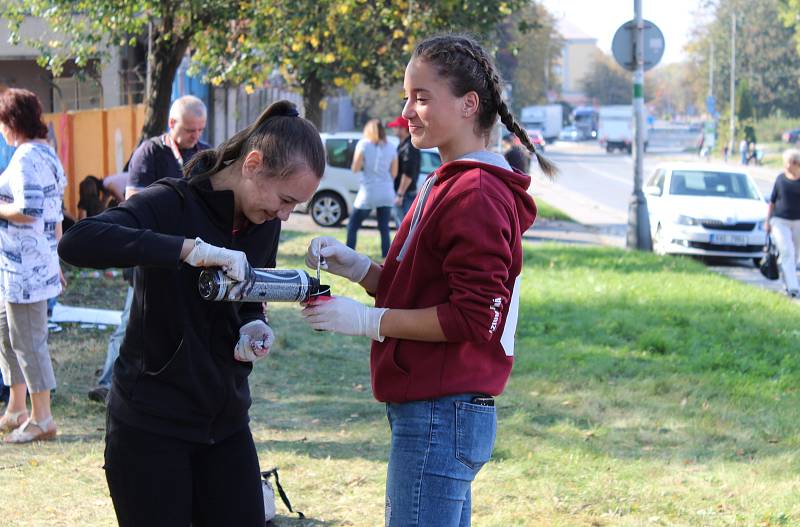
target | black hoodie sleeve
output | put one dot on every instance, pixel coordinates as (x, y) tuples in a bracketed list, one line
[(128, 235)]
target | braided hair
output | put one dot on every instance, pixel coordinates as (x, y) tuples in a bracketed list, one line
[(468, 67)]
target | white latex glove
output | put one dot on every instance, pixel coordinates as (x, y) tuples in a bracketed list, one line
[(255, 339), (337, 258), (233, 263), (346, 316)]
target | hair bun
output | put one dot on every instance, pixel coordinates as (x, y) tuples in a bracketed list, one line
[(289, 112)]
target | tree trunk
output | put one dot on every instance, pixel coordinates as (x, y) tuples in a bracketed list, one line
[(163, 62), (313, 92)]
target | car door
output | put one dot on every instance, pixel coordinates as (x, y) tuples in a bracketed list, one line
[(339, 157)]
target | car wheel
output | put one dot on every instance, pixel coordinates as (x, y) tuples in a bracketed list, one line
[(659, 245), (609, 149), (327, 209)]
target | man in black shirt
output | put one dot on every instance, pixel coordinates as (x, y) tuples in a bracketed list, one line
[(405, 184), (165, 155)]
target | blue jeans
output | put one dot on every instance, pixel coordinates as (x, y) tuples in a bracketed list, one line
[(115, 342), (437, 449), (359, 215), (400, 212)]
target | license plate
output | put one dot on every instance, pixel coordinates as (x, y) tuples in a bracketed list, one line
[(728, 239)]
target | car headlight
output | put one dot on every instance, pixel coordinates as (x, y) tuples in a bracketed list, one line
[(687, 220)]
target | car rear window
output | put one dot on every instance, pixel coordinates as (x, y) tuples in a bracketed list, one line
[(715, 184)]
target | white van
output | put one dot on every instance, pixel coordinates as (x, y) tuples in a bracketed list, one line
[(333, 201)]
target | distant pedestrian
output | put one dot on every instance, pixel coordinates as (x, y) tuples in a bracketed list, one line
[(516, 156), (725, 150), (376, 160), (783, 220), (32, 187), (743, 148), (408, 167)]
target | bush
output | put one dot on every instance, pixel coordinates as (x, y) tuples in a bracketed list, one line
[(770, 129)]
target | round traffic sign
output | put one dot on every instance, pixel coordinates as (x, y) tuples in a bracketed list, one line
[(623, 45)]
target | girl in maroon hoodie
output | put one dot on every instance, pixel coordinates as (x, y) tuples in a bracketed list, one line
[(447, 295)]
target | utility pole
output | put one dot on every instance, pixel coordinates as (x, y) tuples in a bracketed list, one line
[(711, 71), (638, 218), (733, 83)]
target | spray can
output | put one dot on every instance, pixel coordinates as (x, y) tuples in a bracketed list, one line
[(263, 285)]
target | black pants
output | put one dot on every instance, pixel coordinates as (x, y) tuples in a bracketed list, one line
[(156, 480)]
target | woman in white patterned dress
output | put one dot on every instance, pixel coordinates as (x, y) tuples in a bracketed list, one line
[(31, 194)]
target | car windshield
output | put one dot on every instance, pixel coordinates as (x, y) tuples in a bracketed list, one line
[(715, 184)]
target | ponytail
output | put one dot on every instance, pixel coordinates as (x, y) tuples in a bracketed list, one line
[(284, 138), (478, 75)]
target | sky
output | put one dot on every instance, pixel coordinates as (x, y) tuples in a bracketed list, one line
[(600, 19)]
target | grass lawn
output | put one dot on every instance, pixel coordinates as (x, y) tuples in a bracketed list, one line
[(548, 212), (647, 391)]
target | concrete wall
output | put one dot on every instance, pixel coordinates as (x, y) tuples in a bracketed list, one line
[(576, 59), (18, 68)]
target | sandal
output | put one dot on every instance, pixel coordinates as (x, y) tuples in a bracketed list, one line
[(33, 431), (10, 420)]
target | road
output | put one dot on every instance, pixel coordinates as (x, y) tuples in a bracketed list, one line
[(595, 188)]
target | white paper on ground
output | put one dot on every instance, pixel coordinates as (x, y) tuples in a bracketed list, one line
[(85, 315)]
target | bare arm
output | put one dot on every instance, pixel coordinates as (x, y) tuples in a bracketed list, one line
[(10, 211), (394, 167), (413, 324), (770, 211), (370, 281), (358, 162)]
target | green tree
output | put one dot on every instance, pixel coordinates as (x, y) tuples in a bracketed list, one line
[(744, 110), (763, 58), (319, 45), (606, 82), (90, 27), (528, 50), (669, 89)]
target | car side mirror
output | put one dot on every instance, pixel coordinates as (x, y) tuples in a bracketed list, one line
[(653, 190)]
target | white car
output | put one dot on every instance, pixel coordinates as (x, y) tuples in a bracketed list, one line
[(705, 210), (333, 201)]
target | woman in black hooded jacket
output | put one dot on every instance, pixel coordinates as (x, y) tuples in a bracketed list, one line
[(178, 445)]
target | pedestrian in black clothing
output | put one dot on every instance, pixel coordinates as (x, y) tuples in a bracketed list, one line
[(167, 154), (516, 156), (409, 161), (178, 445)]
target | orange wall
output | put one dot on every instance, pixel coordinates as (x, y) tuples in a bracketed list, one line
[(96, 142)]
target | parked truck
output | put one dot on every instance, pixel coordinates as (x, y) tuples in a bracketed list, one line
[(615, 128), (547, 119), (585, 120)]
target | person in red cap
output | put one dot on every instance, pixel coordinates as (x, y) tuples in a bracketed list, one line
[(405, 183)]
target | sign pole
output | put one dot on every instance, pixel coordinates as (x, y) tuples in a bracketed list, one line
[(638, 218)]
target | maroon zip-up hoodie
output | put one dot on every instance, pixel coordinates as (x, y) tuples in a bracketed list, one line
[(465, 258)]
